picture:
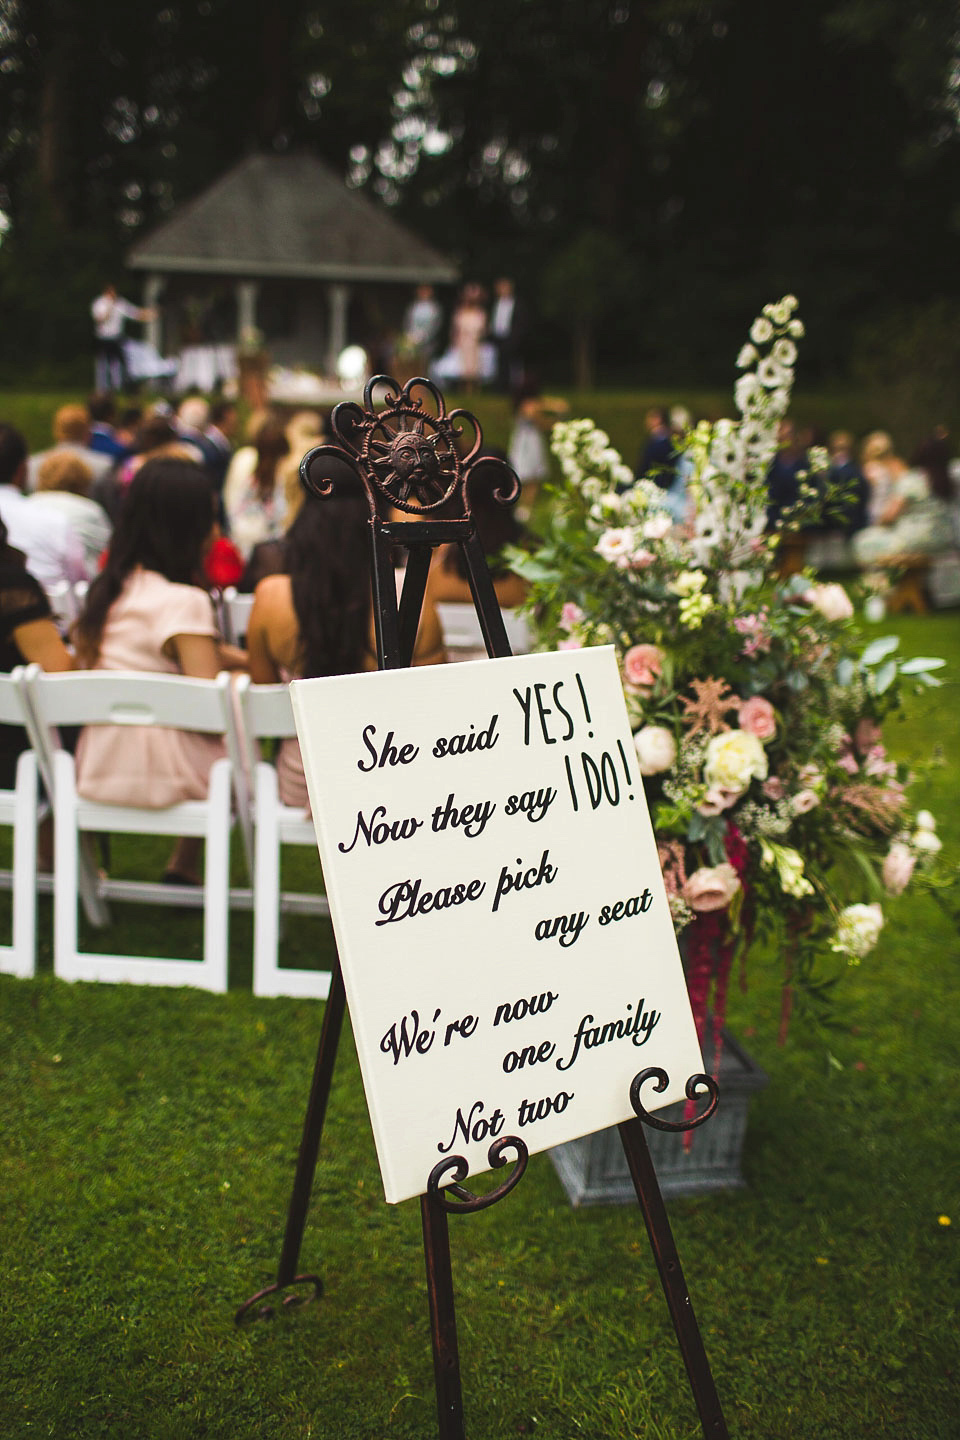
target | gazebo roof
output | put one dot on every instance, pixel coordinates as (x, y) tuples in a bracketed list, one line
[(289, 216)]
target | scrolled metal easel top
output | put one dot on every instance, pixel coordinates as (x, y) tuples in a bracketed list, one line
[(408, 451)]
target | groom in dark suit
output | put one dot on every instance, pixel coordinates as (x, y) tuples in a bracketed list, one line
[(506, 331)]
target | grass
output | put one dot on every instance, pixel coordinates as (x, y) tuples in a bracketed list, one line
[(149, 1138), (619, 412)]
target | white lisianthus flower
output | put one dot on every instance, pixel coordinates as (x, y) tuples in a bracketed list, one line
[(622, 475), (925, 820), (616, 546), (928, 841), (748, 356), (656, 749), (858, 930), (734, 758), (761, 331), (657, 526)]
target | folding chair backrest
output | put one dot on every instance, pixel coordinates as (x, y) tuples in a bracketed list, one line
[(460, 624), (116, 698), (18, 807), (236, 609), (266, 714)]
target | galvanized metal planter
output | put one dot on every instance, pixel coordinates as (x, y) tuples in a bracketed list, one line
[(593, 1170)]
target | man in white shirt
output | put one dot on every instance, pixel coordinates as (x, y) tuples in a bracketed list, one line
[(54, 555), (110, 314)]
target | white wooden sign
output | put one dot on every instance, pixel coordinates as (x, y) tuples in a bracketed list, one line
[(507, 950)]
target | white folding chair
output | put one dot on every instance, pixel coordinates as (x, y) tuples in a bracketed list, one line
[(235, 609), (265, 713), (176, 702), (463, 638), (18, 808)]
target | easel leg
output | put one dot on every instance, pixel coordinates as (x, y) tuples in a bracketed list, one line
[(443, 1320), (671, 1276), (312, 1128), (254, 1307)]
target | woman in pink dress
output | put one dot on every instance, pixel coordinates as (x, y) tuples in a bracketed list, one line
[(147, 611)]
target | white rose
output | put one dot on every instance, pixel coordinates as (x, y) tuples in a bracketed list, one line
[(858, 929), (656, 749), (733, 759), (832, 601)]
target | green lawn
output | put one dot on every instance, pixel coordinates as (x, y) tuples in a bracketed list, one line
[(149, 1138), (619, 412)]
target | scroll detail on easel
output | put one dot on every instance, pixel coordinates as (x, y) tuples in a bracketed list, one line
[(507, 948)]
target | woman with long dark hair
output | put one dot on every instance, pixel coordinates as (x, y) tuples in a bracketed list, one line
[(317, 617), (148, 610)]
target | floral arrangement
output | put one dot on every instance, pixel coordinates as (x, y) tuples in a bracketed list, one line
[(757, 715)]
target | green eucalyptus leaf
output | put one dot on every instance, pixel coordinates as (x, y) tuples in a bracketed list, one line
[(885, 676), (921, 663), (846, 670), (877, 649)]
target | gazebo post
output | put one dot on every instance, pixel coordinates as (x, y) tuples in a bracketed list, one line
[(246, 292), (152, 290), (338, 297)]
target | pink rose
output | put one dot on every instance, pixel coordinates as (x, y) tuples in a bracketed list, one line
[(757, 718), (773, 788), (897, 868), (848, 763), (570, 616), (571, 643), (716, 801), (640, 559), (868, 734), (642, 665), (711, 889)]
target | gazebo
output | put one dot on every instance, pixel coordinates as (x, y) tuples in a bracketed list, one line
[(280, 251)]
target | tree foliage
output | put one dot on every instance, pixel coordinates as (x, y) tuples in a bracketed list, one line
[(723, 150)]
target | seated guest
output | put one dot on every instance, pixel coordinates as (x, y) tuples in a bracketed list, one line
[(908, 506), (658, 460), (63, 487), (844, 475), (783, 484), (54, 555), (103, 435), (148, 611), (28, 635), (317, 619), (497, 527), (71, 432), (253, 501)]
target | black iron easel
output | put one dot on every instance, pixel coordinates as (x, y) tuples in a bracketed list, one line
[(410, 455)]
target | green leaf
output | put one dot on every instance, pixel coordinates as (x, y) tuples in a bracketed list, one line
[(845, 672), (921, 663), (885, 676), (878, 648)]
